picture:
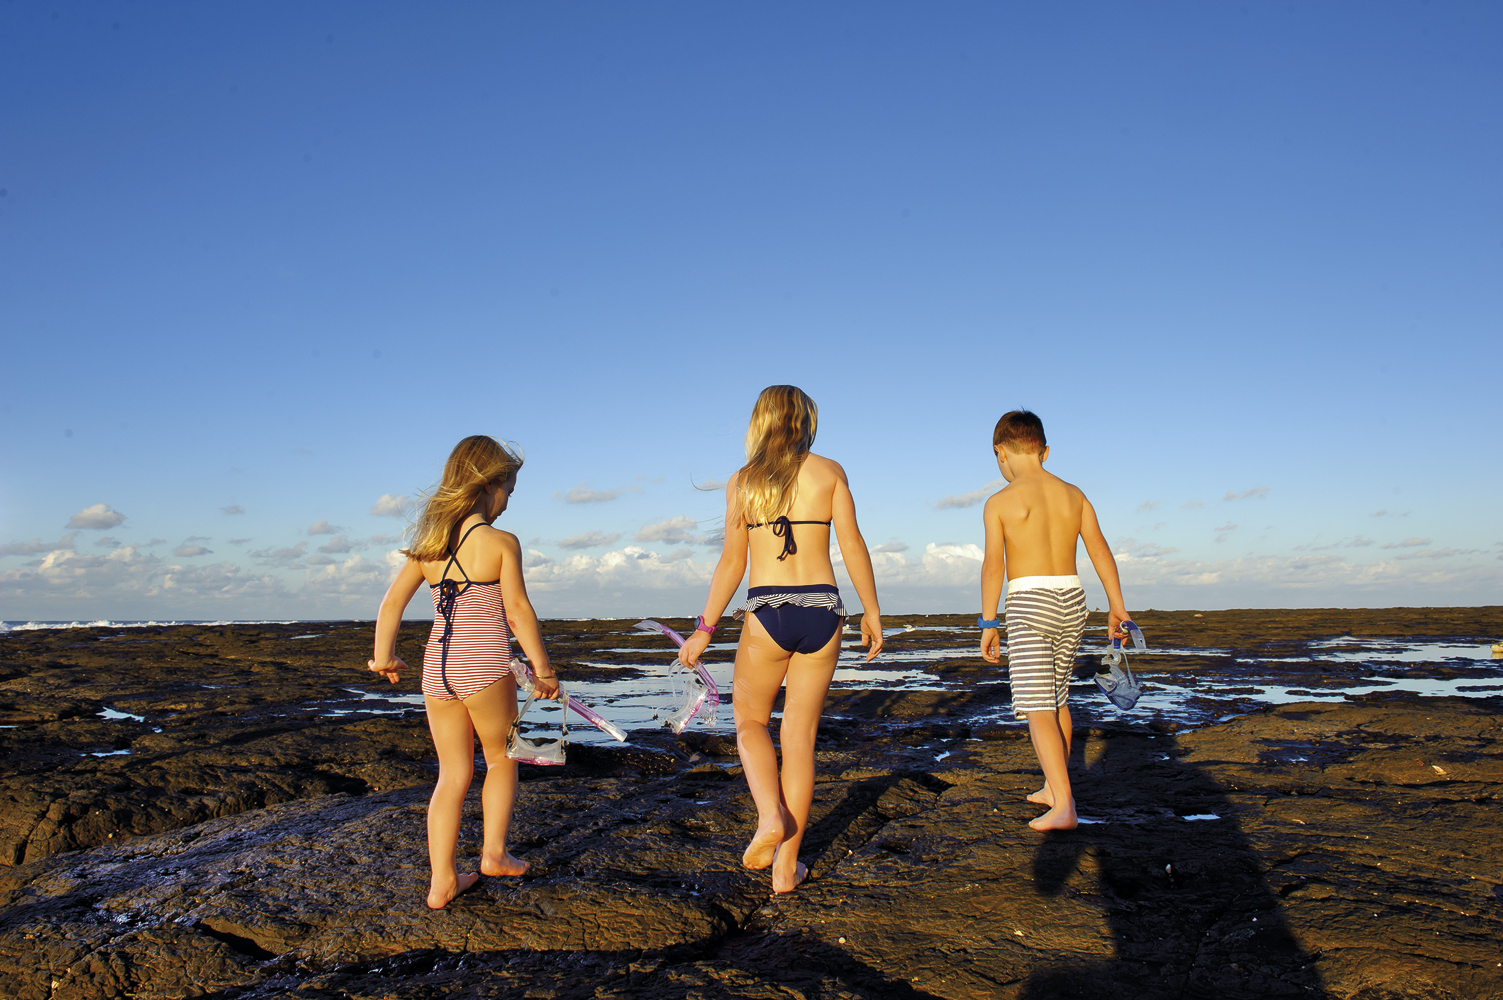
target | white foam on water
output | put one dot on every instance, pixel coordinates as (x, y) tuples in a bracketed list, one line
[(114, 716)]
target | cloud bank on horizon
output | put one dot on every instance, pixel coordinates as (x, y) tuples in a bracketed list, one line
[(667, 567)]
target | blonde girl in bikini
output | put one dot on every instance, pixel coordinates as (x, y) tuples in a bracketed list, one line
[(480, 602), (781, 508)]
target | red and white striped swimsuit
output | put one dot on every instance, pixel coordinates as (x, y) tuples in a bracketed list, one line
[(469, 648)]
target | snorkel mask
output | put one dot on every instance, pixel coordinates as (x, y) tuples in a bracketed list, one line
[(524, 681), (694, 692), (1118, 684)]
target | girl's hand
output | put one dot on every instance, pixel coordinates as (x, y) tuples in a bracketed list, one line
[(693, 648), (546, 687), (391, 669), (871, 634)]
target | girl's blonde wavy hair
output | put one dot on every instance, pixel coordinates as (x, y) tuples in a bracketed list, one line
[(780, 435), (475, 463)]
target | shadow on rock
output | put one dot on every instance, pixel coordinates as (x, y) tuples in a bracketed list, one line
[(1185, 895)]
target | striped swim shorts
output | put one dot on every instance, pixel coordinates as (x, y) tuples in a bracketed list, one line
[(1046, 618)]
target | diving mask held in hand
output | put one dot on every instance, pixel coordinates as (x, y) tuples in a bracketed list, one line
[(546, 752), (1118, 684), (694, 692), (524, 681)]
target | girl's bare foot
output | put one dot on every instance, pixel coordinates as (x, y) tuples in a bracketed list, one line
[(441, 896), (1042, 797), (764, 843), (1061, 817), (508, 865), (799, 874)]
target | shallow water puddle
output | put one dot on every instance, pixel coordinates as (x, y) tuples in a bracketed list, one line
[(1193, 699)]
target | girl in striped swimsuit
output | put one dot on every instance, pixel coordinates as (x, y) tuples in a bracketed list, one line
[(793, 613), (480, 602)]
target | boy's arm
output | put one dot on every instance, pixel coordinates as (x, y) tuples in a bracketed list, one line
[(993, 573), (1106, 569)]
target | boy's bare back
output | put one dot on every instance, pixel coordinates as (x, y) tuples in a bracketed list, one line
[(1041, 517)]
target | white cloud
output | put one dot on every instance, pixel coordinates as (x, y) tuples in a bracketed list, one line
[(1147, 505), (285, 557), (675, 531), (321, 560), (1225, 530), (106, 542), (37, 547), (384, 539), (631, 567), (97, 517), (958, 501), (392, 505), (1141, 550), (583, 494), (536, 558), (1190, 505), (323, 528), (233, 508), (339, 545), (1436, 553), (1408, 543), (589, 540), (238, 541), (1257, 491), (1355, 542), (186, 551), (892, 547)]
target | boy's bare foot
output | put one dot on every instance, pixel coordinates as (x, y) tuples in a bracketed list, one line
[(508, 865), (764, 843), (440, 897), (799, 874), (1042, 797), (1061, 817)]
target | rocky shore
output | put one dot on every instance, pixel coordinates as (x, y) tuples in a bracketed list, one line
[(208, 811)]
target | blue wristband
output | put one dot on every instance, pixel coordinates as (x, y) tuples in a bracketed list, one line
[(988, 622)]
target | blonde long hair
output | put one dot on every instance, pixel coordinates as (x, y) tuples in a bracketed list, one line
[(475, 463), (780, 435)]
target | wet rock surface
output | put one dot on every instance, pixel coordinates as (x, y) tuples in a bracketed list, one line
[(266, 845)]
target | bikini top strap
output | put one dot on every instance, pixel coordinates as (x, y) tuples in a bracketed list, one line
[(454, 557)]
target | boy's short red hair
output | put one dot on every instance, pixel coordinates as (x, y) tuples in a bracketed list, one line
[(1019, 431)]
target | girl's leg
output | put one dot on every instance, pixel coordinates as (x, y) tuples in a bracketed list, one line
[(454, 740), (760, 666), (492, 711), (808, 683)]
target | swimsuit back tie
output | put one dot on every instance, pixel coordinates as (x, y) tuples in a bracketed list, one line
[(783, 528)]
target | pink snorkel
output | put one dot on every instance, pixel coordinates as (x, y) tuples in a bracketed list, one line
[(702, 697), (524, 680)]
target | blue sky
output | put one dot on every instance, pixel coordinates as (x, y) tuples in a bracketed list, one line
[(262, 266)]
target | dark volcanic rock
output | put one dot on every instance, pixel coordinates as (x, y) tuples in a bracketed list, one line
[(1319, 849)]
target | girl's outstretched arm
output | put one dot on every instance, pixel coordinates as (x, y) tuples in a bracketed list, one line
[(524, 620), (728, 574), (385, 660), (1106, 569), (858, 563)]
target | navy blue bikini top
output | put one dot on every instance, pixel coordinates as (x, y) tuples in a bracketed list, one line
[(783, 528)]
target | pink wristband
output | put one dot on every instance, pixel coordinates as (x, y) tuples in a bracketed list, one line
[(700, 625)]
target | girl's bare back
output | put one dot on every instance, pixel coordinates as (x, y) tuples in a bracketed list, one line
[(821, 487)]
